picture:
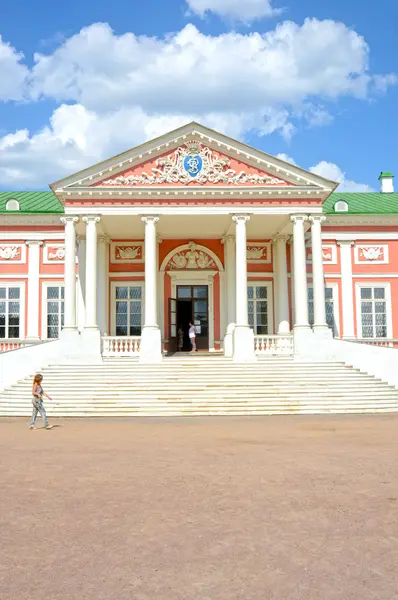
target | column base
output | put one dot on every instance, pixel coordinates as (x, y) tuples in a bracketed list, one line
[(243, 339), (229, 340), (303, 338), (91, 345), (151, 345)]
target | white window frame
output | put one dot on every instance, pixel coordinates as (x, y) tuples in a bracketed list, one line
[(373, 284), (114, 285), (45, 285), (22, 292), (336, 307), (270, 299)]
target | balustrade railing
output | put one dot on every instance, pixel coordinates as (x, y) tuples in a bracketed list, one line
[(383, 342), (121, 346), (273, 344), (14, 344)]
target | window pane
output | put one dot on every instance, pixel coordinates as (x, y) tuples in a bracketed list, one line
[(379, 292), (262, 306), (366, 293), (380, 307), (121, 293), (200, 306), (367, 325), (261, 292), (13, 332), (52, 332), (2, 292), (121, 321), (366, 308), (52, 293), (135, 307), (262, 330), (14, 293), (2, 320), (250, 292), (200, 291), (121, 329), (121, 307), (328, 293), (13, 307), (2, 332), (251, 320), (135, 293), (2, 308), (310, 293), (52, 307), (184, 291), (250, 306), (52, 320), (62, 292)]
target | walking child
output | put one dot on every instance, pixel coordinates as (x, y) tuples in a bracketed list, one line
[(37, 401)]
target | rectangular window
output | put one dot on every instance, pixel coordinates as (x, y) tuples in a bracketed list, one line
[(329, 306), (10, 312), (128, 299), (54, 310), (258, 308), (373, 312)]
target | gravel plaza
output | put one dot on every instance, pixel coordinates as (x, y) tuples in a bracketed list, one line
[(279, 508)]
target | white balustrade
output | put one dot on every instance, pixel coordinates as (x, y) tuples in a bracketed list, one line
[(273, 344), (15, 344), (382, 342), (121, 345)]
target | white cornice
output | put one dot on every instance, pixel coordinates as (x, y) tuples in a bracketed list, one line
[(191, 210), (360, 235), (32, 235), (33, 219), (356, 220)]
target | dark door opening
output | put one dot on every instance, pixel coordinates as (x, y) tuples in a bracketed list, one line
[(193, 305)]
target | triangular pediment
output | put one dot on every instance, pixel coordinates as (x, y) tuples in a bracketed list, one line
[(193, 156)]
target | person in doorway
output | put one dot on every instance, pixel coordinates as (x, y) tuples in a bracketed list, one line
[(37, 401), (192, 336), (180, 338)]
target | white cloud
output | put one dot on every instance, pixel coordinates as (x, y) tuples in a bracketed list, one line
[(240, 10), (13, 73), (333, 172), (286, 158), (117, 91)]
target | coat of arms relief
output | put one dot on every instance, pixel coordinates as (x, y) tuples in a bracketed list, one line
[(194, 163)]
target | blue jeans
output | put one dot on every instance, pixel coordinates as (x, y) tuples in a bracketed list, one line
[(38, 408)]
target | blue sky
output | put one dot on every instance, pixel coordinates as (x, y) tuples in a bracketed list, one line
[(313, 82)]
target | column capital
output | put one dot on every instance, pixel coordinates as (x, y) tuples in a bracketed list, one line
[(345, 243), (317, 218), (241, 218), (280, 237), (227, 238), (65, 220), (298, 218), (149, 219), (104, 239), (34, 243), (91, 219)]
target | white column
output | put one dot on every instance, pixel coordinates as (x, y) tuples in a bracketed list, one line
[(103, 287), (281, 285), (91, 272), (300, 273), (230, 291), (243, 334), (81, 290), (346, 289), (318, 279), (70, 273), (33, 291), (151, 350)]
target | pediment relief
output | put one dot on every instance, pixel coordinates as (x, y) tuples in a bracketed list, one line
[(197, 164)]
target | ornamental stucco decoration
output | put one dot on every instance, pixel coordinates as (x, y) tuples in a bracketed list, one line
[(193, 258), (372, 253), (193, 163), (127, 252), (10, 252), (56, 253), (256, 253)]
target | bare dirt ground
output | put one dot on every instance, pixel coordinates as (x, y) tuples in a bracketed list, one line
[(299, 508)]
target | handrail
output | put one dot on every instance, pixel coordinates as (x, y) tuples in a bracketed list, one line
[(274, 344), (117, 345)]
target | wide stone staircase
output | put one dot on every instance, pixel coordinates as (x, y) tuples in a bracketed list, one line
[(205, 385)]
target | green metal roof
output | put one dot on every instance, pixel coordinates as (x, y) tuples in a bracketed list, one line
[(31, 202), (368, 203), (386, 174)]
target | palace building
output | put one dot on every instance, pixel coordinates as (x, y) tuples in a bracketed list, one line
[(264, 257)]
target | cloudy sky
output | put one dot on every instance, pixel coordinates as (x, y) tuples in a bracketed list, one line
[(313, 82)]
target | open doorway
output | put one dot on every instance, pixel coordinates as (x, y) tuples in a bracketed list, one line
[(191, 305)]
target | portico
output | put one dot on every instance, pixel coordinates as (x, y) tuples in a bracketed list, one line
[(149, 228)]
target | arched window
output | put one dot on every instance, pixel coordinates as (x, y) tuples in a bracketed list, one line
[(12, 205), (341, 206)]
